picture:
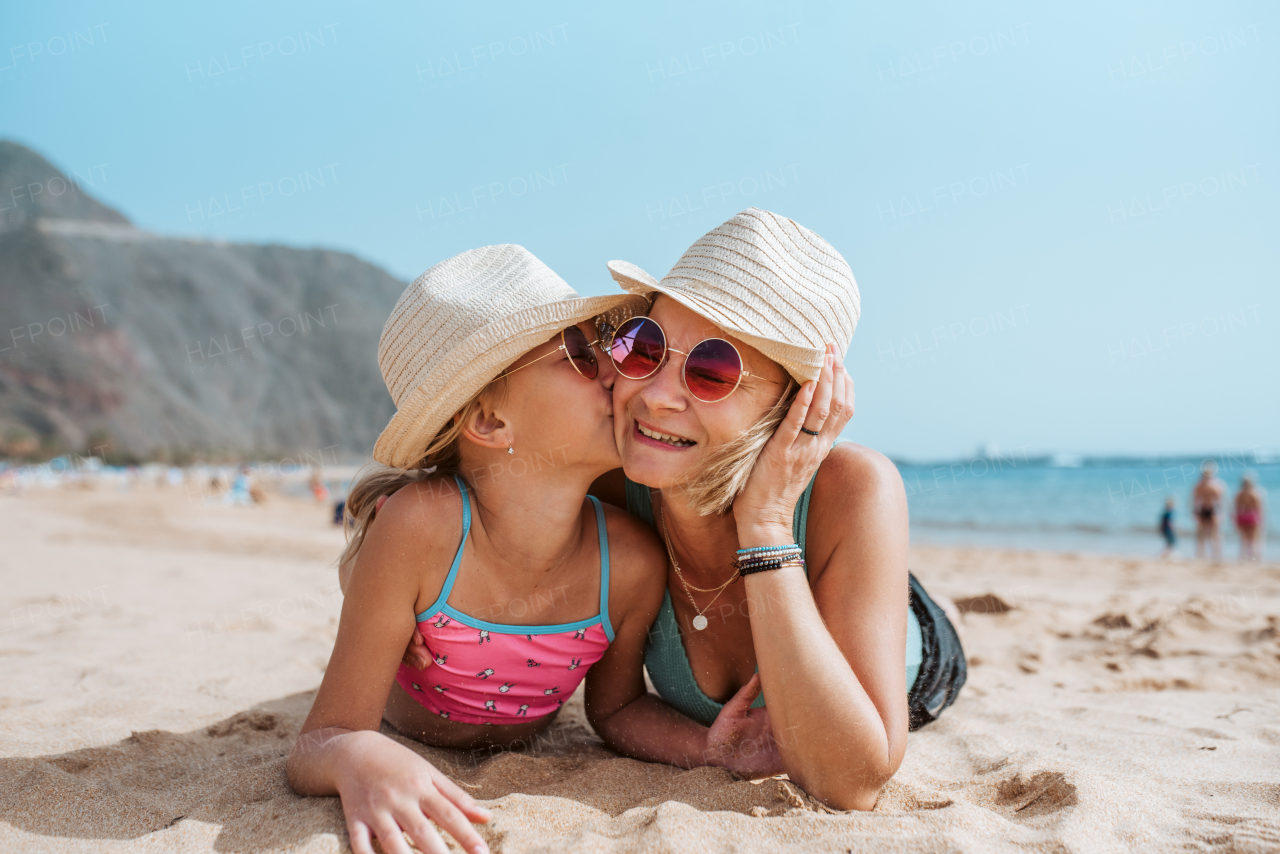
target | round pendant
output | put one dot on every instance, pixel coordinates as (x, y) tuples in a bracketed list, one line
[(699, 622)]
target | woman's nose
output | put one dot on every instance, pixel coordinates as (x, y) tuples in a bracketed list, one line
[(664, 389)]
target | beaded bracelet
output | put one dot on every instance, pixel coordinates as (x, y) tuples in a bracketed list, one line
[(746, 564), (794, 550), (767, 548), (768, 566), (790, 554), (774, 551), (778, 555)]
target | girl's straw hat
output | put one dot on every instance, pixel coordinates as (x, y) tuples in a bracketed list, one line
[(459, 325), (766, 280)]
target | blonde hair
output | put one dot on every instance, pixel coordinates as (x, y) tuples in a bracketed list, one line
[(725, 469), (442, 456)]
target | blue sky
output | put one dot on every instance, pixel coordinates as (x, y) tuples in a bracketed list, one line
[(1063, 222)]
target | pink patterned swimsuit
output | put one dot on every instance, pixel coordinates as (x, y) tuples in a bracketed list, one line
[(492, 673)]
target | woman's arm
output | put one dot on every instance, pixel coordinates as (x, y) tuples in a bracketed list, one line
[(831, 647), (618, 705), (384, 786)]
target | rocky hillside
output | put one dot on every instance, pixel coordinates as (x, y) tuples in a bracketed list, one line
[(167, 346)]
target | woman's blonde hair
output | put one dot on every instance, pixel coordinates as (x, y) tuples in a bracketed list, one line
[(725, 469), (442, 456)]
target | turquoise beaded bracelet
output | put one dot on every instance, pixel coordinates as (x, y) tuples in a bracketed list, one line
[(767, 548)]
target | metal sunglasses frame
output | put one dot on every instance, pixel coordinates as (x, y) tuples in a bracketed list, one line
[(684, 372), (565, 347)]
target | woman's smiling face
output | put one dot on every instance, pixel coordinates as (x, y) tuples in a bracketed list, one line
[(662, 430)]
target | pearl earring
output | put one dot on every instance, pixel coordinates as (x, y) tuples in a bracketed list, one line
[(510, 450)]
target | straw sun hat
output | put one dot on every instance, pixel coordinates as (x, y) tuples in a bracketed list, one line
[(766, 280), (458, 325)]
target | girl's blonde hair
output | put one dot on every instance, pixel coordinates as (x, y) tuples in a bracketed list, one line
[(443, 456), (725, 469)]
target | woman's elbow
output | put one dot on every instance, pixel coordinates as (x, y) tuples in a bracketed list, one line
[(845, 791), (860, 799), (606, 727)]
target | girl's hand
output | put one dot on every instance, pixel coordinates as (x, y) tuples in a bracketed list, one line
[(387, 790), (741, 738), (764, 510)]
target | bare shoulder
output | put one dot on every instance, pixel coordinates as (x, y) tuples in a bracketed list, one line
[(417, 530), (858, 506), (853, 472), (637, 562)]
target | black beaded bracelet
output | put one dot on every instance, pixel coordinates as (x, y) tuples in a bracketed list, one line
[(769, 565)]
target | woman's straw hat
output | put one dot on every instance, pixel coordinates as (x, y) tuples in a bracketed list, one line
[(766, 280), (459, 324)]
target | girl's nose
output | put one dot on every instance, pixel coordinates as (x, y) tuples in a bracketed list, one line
[(606, 371)]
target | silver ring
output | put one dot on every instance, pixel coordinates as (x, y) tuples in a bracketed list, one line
[(810, 432)]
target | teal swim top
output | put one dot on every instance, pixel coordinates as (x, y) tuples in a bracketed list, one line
[(664, 655)]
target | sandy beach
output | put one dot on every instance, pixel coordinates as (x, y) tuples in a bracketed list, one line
[(160, 653)]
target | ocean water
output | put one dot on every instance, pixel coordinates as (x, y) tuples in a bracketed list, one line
[(1110, 505), (1064, 503)]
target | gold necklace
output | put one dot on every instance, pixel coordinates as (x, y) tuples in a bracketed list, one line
[(700, 621)]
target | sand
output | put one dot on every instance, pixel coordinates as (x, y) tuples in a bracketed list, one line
[(159, 655)]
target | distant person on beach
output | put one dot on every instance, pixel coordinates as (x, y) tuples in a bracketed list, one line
[(1166, 527), (1249, 518), (1206, 503), (240, 493), (318, 489)]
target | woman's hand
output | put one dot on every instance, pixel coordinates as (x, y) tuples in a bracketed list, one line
[(741, 738), (416, 654), (387, 790), (764, 510)]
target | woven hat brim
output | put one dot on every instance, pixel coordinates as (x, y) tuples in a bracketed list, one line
[(476, 361), (802, 363)]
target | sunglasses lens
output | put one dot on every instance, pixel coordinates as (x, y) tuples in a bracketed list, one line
[(713, 370), (578, 349), (638, 348)]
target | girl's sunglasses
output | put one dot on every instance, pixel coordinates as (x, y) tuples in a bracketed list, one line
[(712, 369), (578, 350)]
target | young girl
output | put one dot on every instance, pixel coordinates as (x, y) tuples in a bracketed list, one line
[(489, 549)]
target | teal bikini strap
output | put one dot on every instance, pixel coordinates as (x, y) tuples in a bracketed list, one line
[(639, 502), (457, 558), (800, 519), (603, 531)]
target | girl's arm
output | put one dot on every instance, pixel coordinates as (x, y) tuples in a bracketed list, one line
[(385, 787), (618, 705)]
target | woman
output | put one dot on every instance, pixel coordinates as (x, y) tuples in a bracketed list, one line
[(490, 549), (1248, 518), (799, 577)]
